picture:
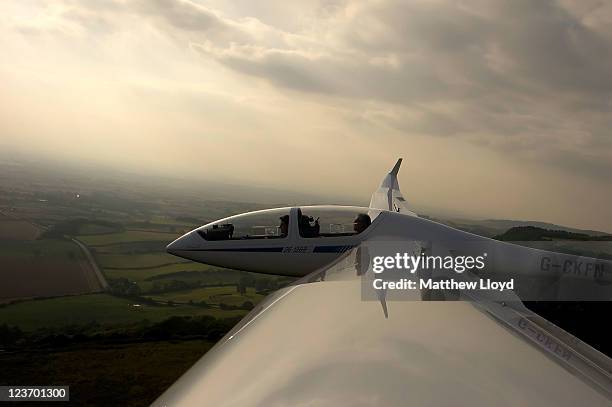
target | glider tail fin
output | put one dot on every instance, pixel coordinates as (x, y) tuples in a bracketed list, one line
[(388, 196)]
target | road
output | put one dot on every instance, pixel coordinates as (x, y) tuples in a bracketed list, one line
[(92, 262)]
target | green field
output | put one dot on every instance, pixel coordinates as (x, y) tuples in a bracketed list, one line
[(158, 227), (94, 229), (33, 249), (188, 266), (212, 295), (166, 220), (133, 247), (102, 308), (136, 260), (141, 275), (127, 236)]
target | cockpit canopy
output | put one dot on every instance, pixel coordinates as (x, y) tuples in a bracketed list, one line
[(264, 224), (311, 221), (330, 221)]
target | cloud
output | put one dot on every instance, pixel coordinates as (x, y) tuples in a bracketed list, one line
[(519, 76), (293, 69), (525, 82), (183, 14)]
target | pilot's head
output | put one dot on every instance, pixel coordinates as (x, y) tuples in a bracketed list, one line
[(361, 222), (284, 225)]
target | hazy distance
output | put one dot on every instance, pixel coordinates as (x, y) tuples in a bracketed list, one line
[(500, 109)]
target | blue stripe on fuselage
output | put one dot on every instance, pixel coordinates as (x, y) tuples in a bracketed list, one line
[(332, 249), (244, 249), (317, 249)]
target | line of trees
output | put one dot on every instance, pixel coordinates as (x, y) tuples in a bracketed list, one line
[(533, 233), (177, 327)]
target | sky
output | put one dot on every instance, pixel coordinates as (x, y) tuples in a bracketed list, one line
[(500, 109)]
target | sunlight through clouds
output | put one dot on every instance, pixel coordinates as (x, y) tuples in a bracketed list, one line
[(329, 91)]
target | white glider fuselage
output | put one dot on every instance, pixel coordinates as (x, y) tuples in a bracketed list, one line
[(297, 255), (292, 254)]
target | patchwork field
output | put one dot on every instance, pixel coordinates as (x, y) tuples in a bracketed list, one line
[(125, 222), (48, 267)]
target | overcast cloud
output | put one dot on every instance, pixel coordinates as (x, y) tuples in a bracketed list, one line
[(502, 107)]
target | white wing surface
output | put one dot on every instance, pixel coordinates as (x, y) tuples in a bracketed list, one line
[(320, 344)]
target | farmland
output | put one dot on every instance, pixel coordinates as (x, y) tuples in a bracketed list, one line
[(161, 272), (126, 229), (103, 309), (120, 336), (17, 229), (47, 267), (136, 261), (213, 295), (127, 236)]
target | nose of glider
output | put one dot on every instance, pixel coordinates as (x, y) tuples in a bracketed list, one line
[(187, 242), (173, 247)]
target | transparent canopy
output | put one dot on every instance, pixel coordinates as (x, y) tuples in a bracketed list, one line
[(266, 224), (330, 221), (312, 221)]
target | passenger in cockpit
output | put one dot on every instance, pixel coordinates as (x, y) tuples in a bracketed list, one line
[(361, 222), (362, 256), (306, 228), (284, 225)]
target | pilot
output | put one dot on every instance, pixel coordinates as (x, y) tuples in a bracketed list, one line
[(306, 229), (362, 256), (361, 222), (284, 225)]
